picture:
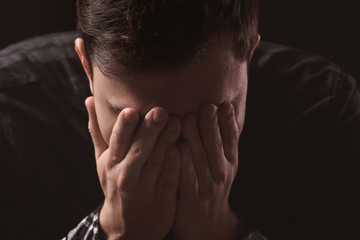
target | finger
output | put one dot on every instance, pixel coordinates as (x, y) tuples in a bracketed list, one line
[(169, 179), (99, 144), (191, 135), (122, 134), (229, 132), (211, 139), (188, 186), (154, 165), (144, 142)]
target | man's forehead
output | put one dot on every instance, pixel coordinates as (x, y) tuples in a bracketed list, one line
[(180, 89), (218, 60), (177, 99)]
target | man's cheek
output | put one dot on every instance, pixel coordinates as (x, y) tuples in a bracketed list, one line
[(106, 124), (239, 104)]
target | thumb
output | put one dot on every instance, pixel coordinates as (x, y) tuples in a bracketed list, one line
[(97, 138)]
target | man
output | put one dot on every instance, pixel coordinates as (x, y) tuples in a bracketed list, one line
[(169, 85)]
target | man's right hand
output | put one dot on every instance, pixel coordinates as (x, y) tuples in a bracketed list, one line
[(138, 172)]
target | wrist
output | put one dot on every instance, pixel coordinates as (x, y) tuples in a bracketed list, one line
[(229, 228), (233, 227), (110, 229)]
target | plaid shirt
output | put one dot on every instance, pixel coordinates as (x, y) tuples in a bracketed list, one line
[(89, 229)]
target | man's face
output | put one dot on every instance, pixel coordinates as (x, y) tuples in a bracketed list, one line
[(217, 78)]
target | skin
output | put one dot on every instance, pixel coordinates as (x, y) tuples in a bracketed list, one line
[(152, 181)]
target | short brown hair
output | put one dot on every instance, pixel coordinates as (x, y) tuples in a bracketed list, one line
[(138, 34)]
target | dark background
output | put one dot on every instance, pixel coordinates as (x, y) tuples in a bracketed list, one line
[(327, 28)]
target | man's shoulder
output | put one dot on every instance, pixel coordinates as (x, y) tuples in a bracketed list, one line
[(48, 59)]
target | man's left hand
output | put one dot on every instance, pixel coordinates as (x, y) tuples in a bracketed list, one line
[(209, 161)]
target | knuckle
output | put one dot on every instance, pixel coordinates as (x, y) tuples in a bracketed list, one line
[(235, 167), (91, 130), (221, 177), (228, 183), (123, 183), (136, 151), (233, 157), (115, 133), (218, 145), (103, 183), (235, 135), (193, 180), (102, 177), (113, 159)]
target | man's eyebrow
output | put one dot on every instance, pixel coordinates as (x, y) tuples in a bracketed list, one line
[(119, 109), (113, 106)]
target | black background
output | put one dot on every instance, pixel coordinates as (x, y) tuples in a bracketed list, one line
[(327, 28)]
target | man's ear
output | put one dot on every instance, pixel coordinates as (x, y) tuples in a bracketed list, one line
[(80, 49), (256, 43)]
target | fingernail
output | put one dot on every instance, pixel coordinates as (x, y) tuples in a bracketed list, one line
[(159, 116), (129, 115), (209, 112), (213, 112), (232, 110), (229, 109)]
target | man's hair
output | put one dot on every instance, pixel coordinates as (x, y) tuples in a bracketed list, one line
[(139, 34)]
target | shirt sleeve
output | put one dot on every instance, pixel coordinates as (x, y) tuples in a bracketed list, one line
[(88, 228)]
